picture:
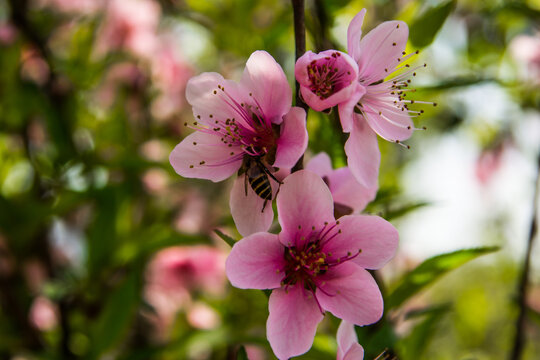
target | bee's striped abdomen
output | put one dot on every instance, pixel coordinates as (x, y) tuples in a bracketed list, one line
[(261, 185)]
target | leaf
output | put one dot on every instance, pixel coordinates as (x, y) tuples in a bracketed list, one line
[(430, 270), (229, 240), (115, 319), (414, 345), (242, 354), (427, 25)]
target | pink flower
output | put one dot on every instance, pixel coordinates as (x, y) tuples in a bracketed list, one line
[(251, 122), (129, 25), (348, 194), (326, 79), (43, 314), (170, 73), (369, 97), (348, 347), (378, 103), (315, 264), (175, 273), (526, 49)]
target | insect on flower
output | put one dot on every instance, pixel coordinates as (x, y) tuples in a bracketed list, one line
[(248, 126), (258, 175)]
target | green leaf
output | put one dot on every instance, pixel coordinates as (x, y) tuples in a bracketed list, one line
[(229, 240), (242, 354), (430, 270), (115, 319), (427, 25), (416, 343)]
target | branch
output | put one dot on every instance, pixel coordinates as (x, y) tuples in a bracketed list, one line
[(300, 49), (519, 340)]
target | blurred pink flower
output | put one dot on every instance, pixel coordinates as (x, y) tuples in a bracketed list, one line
[(33, 67), (348, 347), (176, 273), (237, 122), (129, 25), (8, 34), (43, 314), (348, 194), (170, 73), (487, 164), (194, 214), (202, 316), (526, 49), (315, 264), (124, 74), (326, 79)]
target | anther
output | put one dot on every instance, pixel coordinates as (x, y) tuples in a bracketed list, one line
[(191, 166), (202, 162), (194, 143), (215, 92)]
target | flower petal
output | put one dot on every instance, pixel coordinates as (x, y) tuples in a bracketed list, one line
[(380, 50), (346, 109), (354, 33), (199, 147), (347, 191), (292, 323), (356, 352), (363, 155), (389, 124), (351, 293), (376, 237), (200, 95), (246, 210), (303, 201), (265, 78), (346, 338), (254, 262), (320, 164), (293, 138)]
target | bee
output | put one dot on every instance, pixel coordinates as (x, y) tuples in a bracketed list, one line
[(258, 175)]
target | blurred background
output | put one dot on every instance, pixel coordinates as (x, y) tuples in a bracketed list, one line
[(106, 253)]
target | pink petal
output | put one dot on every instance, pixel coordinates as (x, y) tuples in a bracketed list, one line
[(200, 94), (392, 124), (303, 201), (380, 50), (346, 109), (293, 138), (363, 156), (267, 82), (347, 71), (246, 210), (354, 33), (218, 164), (347, 191), (254, 262), (292, 322), (346, 338), (320, 164), (376, 237), (351, 293), (356, 352)]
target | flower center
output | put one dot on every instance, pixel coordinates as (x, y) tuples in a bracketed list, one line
[(304, 265), (307, 260), (326, 77)]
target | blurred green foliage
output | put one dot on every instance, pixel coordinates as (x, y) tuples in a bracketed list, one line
[(81, 147)]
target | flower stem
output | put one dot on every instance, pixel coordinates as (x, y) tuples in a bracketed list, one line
[(519, 339)]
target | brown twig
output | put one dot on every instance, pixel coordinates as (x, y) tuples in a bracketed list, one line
[(519, 339), (300, 49)]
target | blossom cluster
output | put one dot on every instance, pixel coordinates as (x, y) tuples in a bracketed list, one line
[(320, 259)]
